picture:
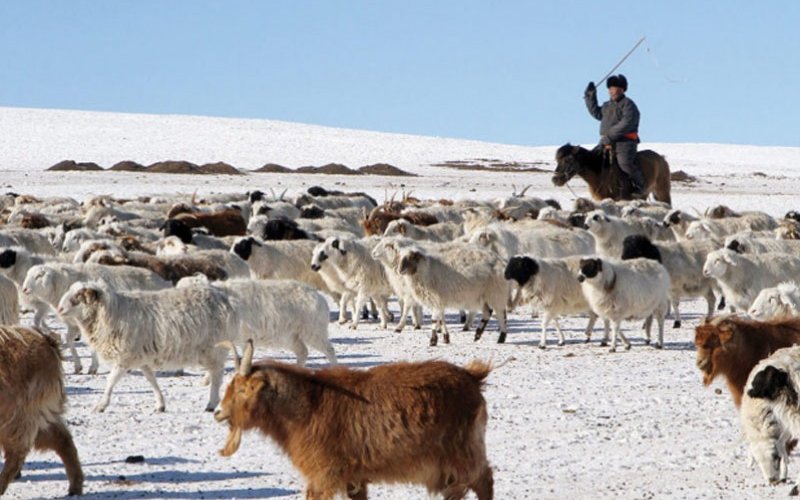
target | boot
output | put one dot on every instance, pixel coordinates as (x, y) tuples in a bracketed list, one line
[(625, 188), (637, 183)]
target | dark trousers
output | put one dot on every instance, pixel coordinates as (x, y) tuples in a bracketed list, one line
[(626, 156)]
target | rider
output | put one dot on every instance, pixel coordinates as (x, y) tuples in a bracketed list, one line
[(619, 130)]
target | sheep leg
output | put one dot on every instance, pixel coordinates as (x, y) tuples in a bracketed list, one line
[(436, 323), (405, 306), (216, 370), (502, 320), (486, 314), (301, 351), (616, 330), (416, 313), (113, 377), (383, 311), (58, 438), (151, 377), (462, 316), (94, 365), (561, 339), (543, 336), (446, 332), (69, 338), (11, 468), (324, 346), (470, 318), (660, 320), (710, 299), (343, 301), (360, 300), (606, 330), (677, 322), (373, 309), (648, 325), (721, 305), (590, 326)]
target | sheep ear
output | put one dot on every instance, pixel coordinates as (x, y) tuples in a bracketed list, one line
[(402, 228)]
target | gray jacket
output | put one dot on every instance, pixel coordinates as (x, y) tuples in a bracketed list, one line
[(617, 118)]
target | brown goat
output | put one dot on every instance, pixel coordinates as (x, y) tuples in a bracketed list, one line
[(170, 268), (732, 346), (421, 423), (227, 222), (32, 402), (375, 223)]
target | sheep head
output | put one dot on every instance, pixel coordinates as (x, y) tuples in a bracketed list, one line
[(771, 383), (78, 296), (521, 269)]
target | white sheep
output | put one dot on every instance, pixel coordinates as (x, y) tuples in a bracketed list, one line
[(684, 261), (765, 435), (678, 222), (282, 259), (720, 228), (774, 382), (361, 275), (442, 231), (277, 313), (631, 289), (549, 285), (29, 239), (742, 277), (49, 281), (610, 232), (387, 252), (749, 243), (468, 278), (234, 266), (152, 330), (542, 239), (778, 302)]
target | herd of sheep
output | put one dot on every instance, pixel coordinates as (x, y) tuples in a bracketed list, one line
[(166, 283)]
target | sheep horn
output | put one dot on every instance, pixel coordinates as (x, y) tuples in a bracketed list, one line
[(237, 362), (247, 359)]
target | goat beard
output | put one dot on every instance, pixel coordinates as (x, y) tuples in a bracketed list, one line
[(233, 442)]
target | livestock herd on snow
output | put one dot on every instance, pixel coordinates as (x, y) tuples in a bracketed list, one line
[(166, 282)]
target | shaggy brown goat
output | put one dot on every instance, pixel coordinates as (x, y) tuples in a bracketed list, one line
[(32, 402), (170, 268), (227, 222), (377, 220), (420, 423), (732, 346)]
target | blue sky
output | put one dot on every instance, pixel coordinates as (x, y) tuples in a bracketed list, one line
[(502, 71)]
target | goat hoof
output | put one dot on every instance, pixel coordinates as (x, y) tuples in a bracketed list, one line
[(542, 346), (647, 342), (446, 338), (613, 349), (434, 342), (160, 409), (602, 344), (627, 347), (588, 339), (417, 327), (502, 338), (398, 330), (353, 327), (100, 408), (676, 324), (658, 346)]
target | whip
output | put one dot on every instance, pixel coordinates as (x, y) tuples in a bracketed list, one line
[(622, 60)]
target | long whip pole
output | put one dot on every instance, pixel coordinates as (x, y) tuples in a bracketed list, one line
[(622, 60)]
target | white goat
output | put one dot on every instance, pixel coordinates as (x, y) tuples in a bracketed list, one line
[(387, 252), (468, 278), (543, 240), (151, 330), (778, 302), (678, 221), (549, 285), (631, 289), (742, 277), (48, 282), (277, 313)]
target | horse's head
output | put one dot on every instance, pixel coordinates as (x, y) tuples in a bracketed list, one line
[(567, 164)]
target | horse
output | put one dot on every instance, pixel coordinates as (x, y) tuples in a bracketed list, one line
[(603, 181)]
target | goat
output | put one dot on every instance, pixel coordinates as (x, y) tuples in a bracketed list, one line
[(619, 290), (731, 346), (32, 404), (150, 330), (422, 423), (228, 222), (9, 302), (170, 268)]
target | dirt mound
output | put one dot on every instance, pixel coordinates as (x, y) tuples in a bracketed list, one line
[(174, 167), (494, 165), (128, 166), (385, 169), (330, 168), (220, 168), (274, 168), (681, 176), (67, 165)]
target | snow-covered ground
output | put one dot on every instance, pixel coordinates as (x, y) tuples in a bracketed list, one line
[(567, 422)]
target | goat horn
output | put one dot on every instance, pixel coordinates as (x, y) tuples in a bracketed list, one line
[(194, 198), (237, 362), (283, 194), (525, 189), (274, 198), (247, 359), (514, 190)]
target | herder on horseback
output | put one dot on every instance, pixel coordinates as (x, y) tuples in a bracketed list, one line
[(619, 133)]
